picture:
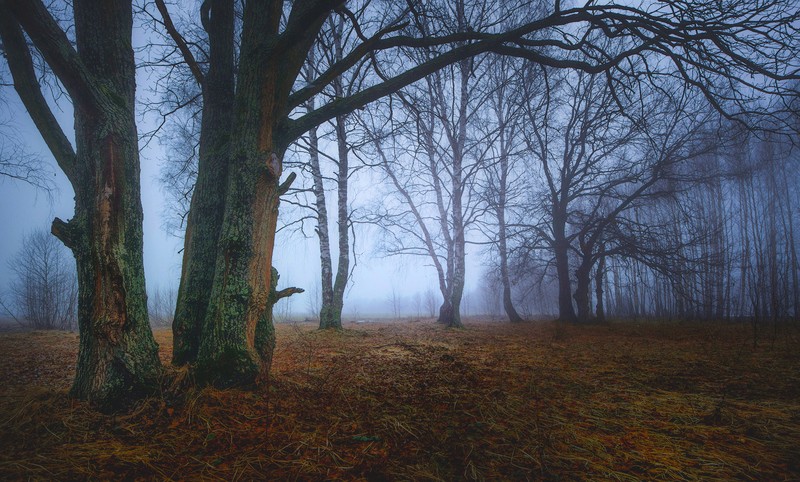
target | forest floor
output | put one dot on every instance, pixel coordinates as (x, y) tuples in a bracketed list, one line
[(416, 401)]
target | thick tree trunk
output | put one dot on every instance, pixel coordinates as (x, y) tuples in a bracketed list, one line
[(117, 356), (566, 312), (228, 355), (238, 302), (445, 313), (207, 207)]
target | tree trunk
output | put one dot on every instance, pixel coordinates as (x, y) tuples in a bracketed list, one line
[(502, 246), (508, 304), (207, 207), (326, 269), (561, 252), (445, 313), (343, 221), (599, 276), (265, 328), (117, 355), (238, 302), (582, 287)]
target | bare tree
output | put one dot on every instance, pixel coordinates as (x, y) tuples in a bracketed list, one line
[(16, 164), (432, 164), (395, 303), (707, 47), (46, 289), (430, 302), (337, 36), (502, 189), (118, 357), (161, 305)]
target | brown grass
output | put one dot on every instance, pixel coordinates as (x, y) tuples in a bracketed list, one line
[(415, 401)]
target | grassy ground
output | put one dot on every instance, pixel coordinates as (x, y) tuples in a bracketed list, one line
[(415, 401)]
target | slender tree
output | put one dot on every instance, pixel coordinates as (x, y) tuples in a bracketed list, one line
[(500, 188)]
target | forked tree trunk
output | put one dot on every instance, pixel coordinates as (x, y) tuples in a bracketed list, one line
[(206, 212), (239, 300)]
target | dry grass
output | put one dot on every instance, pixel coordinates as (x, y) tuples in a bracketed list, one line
[(414, 401)]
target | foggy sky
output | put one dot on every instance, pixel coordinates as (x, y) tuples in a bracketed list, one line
[(23, 209)]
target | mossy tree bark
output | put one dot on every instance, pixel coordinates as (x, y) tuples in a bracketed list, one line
[(204, 221), (118, 357), (228, 354)]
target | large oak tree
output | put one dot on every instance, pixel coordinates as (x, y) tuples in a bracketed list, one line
[(118, 358)]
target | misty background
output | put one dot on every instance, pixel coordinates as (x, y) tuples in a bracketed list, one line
[(712, 238)]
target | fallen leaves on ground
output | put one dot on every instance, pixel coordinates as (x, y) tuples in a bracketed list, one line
[(416, 401)]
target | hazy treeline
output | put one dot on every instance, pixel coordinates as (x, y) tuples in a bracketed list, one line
[(588, 195), (629, 201)]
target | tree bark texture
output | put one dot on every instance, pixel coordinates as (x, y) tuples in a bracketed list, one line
[(239, 299), (117, 356), (206, 212)]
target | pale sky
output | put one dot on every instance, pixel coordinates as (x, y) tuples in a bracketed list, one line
[(24, 209)]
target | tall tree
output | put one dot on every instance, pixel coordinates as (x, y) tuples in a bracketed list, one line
[(336, 35), (704, 43), (117, 357), (432, 165), (502, 185)]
